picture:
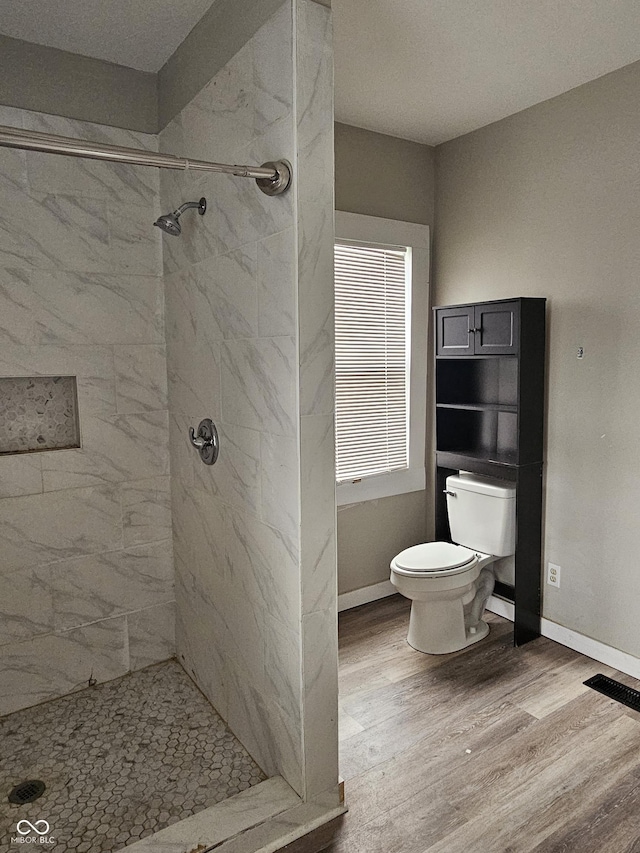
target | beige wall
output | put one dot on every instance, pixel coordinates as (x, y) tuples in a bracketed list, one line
[(35, 77), (371, 533), (380, 175), (546, 203)]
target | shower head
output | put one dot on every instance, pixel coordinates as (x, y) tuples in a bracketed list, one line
[(170, 222)]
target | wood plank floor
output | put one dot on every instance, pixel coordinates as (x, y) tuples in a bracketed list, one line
[(490, 750)]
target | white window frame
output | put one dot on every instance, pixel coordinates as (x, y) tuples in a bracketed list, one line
[(392, 232)]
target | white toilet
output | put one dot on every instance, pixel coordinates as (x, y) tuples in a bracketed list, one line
[(449, 584)]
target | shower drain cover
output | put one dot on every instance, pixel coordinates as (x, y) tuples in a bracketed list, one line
[(27, 792)]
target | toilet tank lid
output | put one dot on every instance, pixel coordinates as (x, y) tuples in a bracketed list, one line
[(434, 556), (482, 485)]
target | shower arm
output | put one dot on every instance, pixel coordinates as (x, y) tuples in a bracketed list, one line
[(273, 178), (201, 206)]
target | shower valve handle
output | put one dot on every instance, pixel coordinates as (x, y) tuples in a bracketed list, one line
[(206, 441), (198, 442)]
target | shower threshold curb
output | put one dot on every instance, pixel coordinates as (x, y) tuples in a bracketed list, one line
[(262, 819)]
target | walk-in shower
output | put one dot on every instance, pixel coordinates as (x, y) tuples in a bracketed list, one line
[(168, 628), (164, 752), (170, 222)]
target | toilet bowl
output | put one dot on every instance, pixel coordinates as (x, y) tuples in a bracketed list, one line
[(440, 579), (449, 584)]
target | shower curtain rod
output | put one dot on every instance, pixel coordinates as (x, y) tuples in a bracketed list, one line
[(273, 178)]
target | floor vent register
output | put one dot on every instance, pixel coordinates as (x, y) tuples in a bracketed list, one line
[(615, 690)]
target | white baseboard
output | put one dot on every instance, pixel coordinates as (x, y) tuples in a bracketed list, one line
[(591, 648), (363, 596), (501, 607), (594, 649)]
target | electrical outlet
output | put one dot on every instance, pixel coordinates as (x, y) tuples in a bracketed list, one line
[(553, 575)]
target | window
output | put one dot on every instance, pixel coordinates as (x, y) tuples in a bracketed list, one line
[(372, 359), (381, 286)]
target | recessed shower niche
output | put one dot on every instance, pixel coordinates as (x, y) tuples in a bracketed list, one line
[(38, 413)]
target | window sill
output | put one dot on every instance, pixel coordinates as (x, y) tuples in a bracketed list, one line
[(381, 486)]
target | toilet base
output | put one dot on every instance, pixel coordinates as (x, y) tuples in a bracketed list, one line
[(441, 629)]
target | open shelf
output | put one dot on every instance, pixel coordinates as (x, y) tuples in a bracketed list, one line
[(488, 381), (478, 407), (485, 432), (465, 460)]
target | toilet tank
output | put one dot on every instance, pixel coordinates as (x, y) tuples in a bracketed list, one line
[(482, 513)]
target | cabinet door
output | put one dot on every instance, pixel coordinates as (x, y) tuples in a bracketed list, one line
[(454, 334), (496, 326)]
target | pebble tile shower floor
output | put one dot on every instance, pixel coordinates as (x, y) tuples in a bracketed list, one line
[(120, 761)]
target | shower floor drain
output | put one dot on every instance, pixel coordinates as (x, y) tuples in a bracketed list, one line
[(27, 792), (615, 690)]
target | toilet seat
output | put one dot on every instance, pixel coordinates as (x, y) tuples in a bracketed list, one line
[(432, 559)]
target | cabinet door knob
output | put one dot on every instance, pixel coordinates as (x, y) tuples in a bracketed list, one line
[(471, 331)]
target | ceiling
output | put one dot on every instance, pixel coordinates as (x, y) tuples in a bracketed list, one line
[(427, 70), (431, 70)]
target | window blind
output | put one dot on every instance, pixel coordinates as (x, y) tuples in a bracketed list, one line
[(372, 369)]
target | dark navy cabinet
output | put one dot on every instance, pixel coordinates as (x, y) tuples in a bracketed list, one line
[(489, 328), (490, 379)]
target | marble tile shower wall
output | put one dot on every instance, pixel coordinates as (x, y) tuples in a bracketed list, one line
[(249, 291), (232, 350), (86, 564), (314, 130)]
